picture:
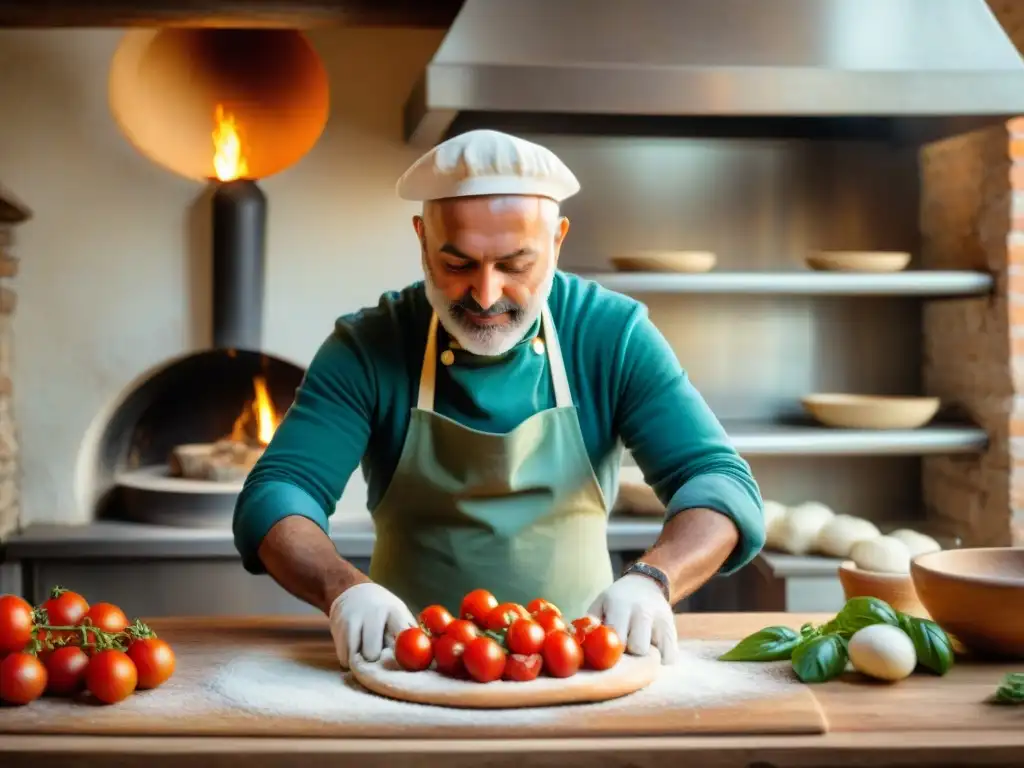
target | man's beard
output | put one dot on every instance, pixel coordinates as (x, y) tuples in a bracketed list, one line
[(487, 340)]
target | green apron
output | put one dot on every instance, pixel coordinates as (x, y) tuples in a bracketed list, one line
[(520, 514)]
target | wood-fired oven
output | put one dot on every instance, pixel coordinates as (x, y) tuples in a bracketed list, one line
[(225, 107)]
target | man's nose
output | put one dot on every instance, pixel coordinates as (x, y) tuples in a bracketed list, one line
[(488, 288)]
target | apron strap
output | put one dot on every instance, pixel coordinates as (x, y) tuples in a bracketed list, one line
[(428, 373), (559, 378)]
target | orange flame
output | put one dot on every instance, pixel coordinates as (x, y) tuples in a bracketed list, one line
[(259, 412), (229, 162)]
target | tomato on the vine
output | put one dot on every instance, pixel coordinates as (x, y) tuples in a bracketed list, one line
[(602, 648), (435, 619), (523, 669), (582, 626), (105, 617), (563, 656), (448, 651), (65, 608), (65, 670), (484, 659), (15, 624), (154, 661), (22, 678), (539, 604), (501, 616), (463, 630), (111, 676), (476, 605), (525, 637), (413, 649), (550, 621)]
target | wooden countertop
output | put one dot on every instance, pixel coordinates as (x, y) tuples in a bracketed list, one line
[(924, 720)]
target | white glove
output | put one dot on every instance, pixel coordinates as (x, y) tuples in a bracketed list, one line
[(635, 607), (364, 619)]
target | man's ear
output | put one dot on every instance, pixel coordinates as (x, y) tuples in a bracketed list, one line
[(560, 233)]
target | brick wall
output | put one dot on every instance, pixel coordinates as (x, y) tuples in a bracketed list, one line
[(972, 217), (12, 213)]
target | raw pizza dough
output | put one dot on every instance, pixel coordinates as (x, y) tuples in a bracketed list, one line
[(386, 678), (838, 536)]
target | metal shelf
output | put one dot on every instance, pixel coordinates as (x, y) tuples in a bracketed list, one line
[(911, 283), (814, 440)]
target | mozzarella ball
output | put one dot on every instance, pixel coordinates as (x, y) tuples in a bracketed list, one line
[(839, 534), (916, 543), (883, 554), (882, 651), (797, 531)]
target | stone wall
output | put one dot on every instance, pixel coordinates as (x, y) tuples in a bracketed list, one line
[(12, 213), (972, 217)]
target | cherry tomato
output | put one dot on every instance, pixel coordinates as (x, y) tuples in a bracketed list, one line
[(476, 605), (64, 609), (539, 604), (22, 678), (448, 652), (154, 661), (602, 648), (502, 615), (463, 630), (65, 670), (435, 619), (550, 621), (525, 636), (563, 656), (413, 650), (111, 676), (484, 660), (523, 669), (583, 626), (15, 624), (106, 617)]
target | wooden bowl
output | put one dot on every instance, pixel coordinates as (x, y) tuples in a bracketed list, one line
[(666, 261), (870, 411), (897, 589), (976, 595), (858, 261)]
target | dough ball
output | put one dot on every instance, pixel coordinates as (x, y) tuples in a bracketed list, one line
[(883, 554), (839, 534), (797, 531), (883, 652), (916, 543), (773, 513)]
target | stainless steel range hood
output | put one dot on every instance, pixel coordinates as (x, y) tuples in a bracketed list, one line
[(920, 67)]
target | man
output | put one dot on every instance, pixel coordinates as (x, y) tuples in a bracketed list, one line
[(489, 406)]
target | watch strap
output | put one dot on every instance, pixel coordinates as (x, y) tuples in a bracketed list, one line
[(656, 574)]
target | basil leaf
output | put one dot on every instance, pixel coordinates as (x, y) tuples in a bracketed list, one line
[(934, 650), (860, 612), (770, 644), (1011, 689), (821, 659)]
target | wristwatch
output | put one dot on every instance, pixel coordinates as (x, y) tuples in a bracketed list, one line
[(651, 572)]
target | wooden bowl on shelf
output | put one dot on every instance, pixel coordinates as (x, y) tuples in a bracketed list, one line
[(976, 595), (870, 411), (666, 261), (858, 261), (897, 589)]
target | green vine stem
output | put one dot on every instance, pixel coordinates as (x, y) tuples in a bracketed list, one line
[(84, 635)]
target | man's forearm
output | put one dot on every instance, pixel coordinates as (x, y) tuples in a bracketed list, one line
[(301, 558), (692, 546)]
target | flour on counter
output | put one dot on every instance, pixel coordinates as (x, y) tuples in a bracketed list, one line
[(268, 684)]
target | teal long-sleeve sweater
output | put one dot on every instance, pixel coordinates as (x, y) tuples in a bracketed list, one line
[(354, 403)]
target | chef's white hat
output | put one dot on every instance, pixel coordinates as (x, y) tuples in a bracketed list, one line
[(487, 163)]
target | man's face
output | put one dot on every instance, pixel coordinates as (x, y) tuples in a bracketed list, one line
[(489, 263)]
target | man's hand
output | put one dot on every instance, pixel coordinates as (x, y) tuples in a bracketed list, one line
[(635, 607), (365, 619)]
